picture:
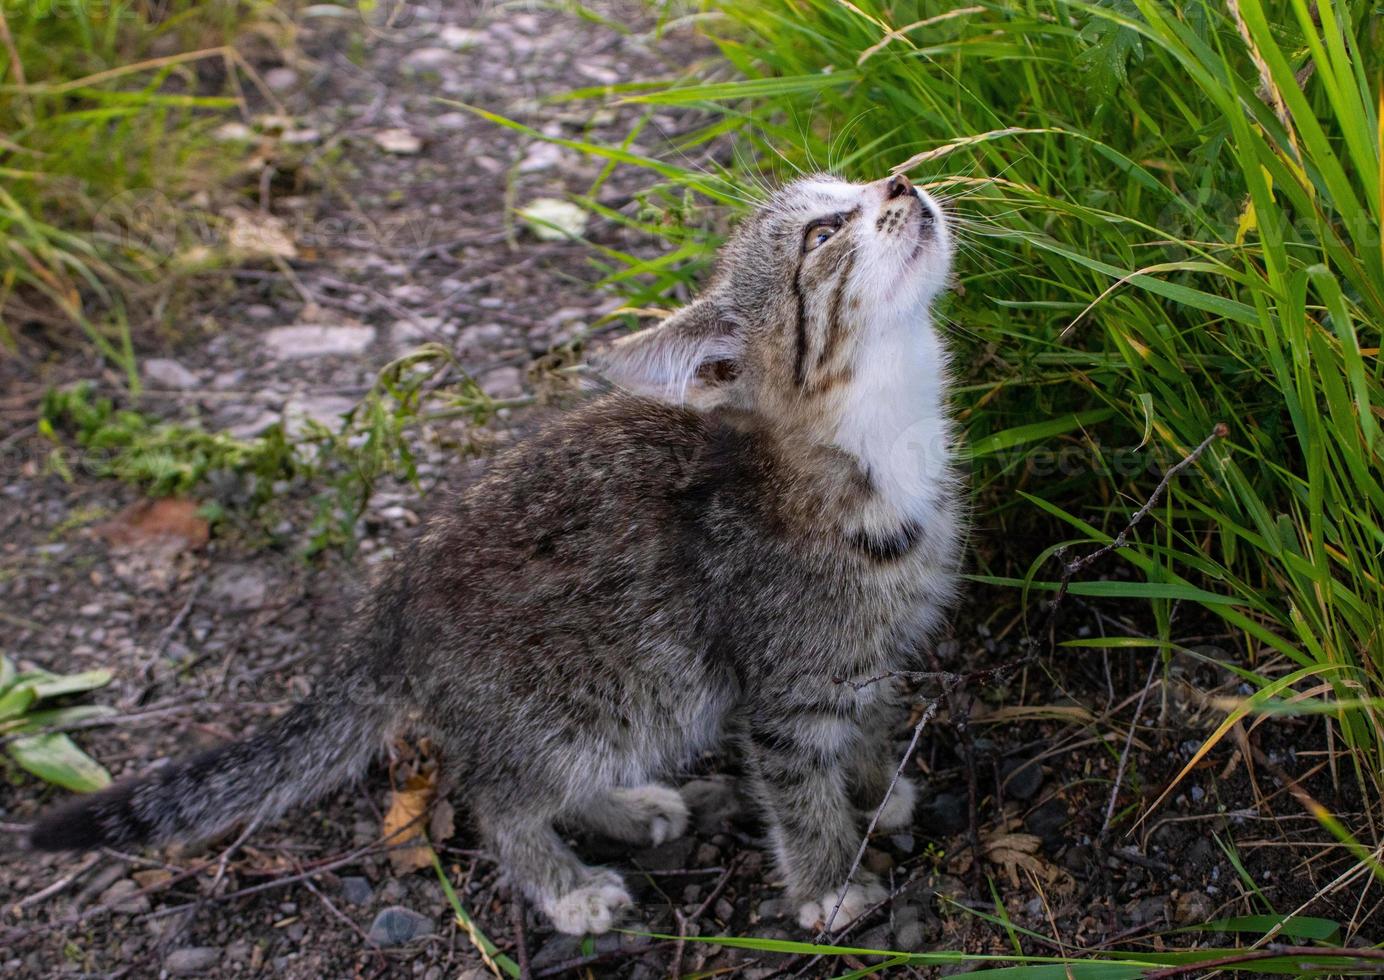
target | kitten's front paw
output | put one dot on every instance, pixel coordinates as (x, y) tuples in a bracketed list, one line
[(591, 908), (859, 898), (898, 809)]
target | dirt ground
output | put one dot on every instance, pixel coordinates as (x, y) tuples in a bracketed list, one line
[(1045, 768)]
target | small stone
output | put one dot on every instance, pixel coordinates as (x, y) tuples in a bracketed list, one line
[(1047, 822), (540, 156), (398, 141), (903, 842), (240, 587), (556, 950), (164, 372), (880, 862), (324, 410), (706, 856), (502, 382), (356, 890), (317, 340), (452, 121), (1192, 908), (92, 609), (191, 960), (233, 132), (459, 38), (552, 219), (117, 898), (945, 814), (398, 925), (774, 908), (1021, 778), (430, 59), (281, 79)]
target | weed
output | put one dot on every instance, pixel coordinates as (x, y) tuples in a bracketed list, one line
[(32, 730), (244, 476), (106, 135)]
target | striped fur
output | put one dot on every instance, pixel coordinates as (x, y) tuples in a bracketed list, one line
[(769, 507)]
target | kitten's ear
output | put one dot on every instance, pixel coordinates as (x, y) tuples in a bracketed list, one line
[(688, 358)]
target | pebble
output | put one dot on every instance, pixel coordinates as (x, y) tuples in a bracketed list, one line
[(164, 372), (398, 925), (502, 382), (774, 908), (318, 340), (430, 59), (706, 856), (281, 79), (1047, 822), (117, 898), (880, 862), (945, 814), (1021, 778), (325, 410), (240, 587), (1192, 908), (356, 890), (191, 960)]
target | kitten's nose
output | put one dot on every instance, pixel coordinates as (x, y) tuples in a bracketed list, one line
[(898, 186)]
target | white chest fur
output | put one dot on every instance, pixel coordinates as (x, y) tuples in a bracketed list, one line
[(893, 421)]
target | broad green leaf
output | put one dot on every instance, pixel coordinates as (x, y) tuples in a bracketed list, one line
[(16, 701), (56, 759), (56, 685)]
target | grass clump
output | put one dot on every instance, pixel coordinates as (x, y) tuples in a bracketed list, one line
[(246, 478), (1171, 219), (31, 727), (105, 126)]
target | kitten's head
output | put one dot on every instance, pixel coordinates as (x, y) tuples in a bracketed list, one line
[(814, 285)]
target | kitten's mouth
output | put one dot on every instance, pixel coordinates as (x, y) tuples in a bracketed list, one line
[(927, 229)]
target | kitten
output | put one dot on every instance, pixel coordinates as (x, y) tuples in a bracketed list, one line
[(768, 506)]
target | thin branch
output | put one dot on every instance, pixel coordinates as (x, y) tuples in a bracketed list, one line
[(928, 714), (1124, 755), (675, 970), (1121, 540)]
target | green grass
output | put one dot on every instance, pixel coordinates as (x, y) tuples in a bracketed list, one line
[(1170, 218), (104, 123)]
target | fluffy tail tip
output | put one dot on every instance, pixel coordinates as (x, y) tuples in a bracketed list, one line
[(75, 825)]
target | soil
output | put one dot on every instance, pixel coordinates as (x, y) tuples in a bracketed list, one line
[(209, 641)]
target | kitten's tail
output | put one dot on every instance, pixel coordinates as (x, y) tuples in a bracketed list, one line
[(316, 746)]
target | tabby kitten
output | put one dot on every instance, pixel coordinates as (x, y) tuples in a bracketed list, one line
[(766, 507)]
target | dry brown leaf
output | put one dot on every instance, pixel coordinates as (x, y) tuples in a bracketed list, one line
[(402, 830), (256, 235), (167, 522), (1015, 851)]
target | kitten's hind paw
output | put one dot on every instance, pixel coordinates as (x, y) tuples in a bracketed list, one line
[(859, 899), (648, 815), (591, 908)]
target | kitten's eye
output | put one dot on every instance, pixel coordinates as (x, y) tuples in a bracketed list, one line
[(818, 232)]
